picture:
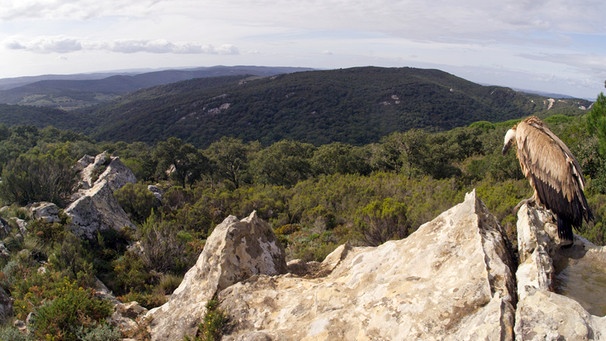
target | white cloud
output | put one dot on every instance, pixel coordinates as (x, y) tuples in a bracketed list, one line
[(66, 45), (46, 45)]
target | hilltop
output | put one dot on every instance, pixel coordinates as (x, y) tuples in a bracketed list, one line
[(355, 106)]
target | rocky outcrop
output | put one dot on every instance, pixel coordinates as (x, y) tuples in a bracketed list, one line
[(104, 167), (235, 251), (451, 278), (455, 278), (560, 289), (94, 207)]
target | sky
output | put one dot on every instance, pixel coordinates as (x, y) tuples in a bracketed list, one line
[(556, 46)]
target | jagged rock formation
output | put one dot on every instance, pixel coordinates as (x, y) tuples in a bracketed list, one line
[(235, 251), (451, 279), (94, 206), (560, 289)]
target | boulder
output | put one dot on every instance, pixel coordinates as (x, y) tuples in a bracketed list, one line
[(104, 167), (94, 207), (156, 191), (235, 251), (45, 211), (559, 288), (453, 278)]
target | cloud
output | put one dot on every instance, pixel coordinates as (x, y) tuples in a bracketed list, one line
[(164, 46), (66, 45), (46, 45)]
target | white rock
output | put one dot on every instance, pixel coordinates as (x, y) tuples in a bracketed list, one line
[(235, 251), (550, 298), (450, 279)]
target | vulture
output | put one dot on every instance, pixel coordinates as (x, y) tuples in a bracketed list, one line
[(553, 173)]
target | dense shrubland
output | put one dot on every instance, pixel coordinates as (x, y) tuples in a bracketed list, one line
[(315, 198)]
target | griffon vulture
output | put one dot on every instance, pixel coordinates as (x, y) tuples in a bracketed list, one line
[(553, 172)]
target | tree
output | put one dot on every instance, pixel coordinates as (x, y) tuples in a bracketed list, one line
[(382, 220), (596, 121), (40, 177), (284, 163), (340, 158), (229, 157), (181, 161)]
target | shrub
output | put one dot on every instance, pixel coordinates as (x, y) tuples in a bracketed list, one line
[(73, 310), (382, 220), (137, 201), (214, 323), (168, 283), (8, 332), (147, 300), (31, 178), (102, 332)]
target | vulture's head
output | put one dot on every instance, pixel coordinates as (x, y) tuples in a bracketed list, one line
[(510, 138)]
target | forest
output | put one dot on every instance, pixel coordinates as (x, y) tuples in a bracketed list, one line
[(315, 198)]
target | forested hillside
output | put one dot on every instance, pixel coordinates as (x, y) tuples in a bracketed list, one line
[(355, 106), (14, 115)]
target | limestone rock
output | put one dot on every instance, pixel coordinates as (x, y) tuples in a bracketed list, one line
[(22, 224), (451, 279), (45, 211), (156, 191), (94, 207), (235, 251), (557, 287), (127, 316), (104, 167)]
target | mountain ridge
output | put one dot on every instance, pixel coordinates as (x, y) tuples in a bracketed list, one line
[(354, 105), (70, 92)]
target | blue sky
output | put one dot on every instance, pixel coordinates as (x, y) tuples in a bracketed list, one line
[(548, 45)]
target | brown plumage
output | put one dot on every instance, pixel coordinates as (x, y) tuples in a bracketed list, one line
[(553, 172)]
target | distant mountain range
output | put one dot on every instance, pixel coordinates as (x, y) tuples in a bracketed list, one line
[(70, 92), (355, 105)]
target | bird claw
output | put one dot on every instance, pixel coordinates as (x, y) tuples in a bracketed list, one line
[(529, 202)]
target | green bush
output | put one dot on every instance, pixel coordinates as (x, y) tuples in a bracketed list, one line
[(214, 323), (73, 310), (8, 332), (37, 177), (102, 332), (137, 201)]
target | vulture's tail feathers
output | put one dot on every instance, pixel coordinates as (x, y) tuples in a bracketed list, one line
[(565, 231)]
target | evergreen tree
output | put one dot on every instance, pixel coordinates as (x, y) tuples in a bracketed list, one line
[(596, 121)]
